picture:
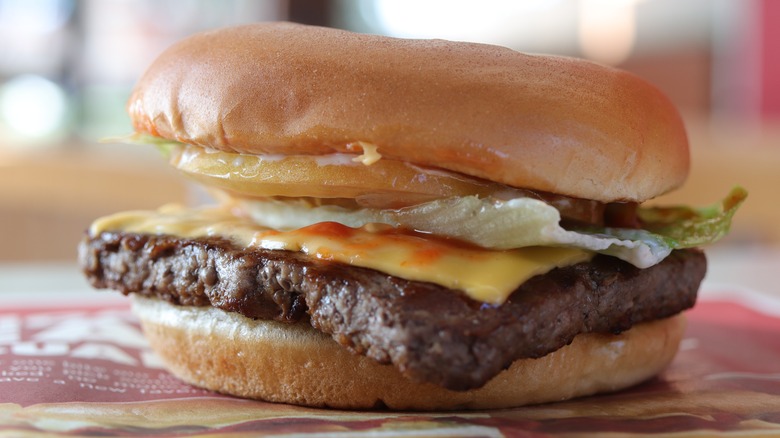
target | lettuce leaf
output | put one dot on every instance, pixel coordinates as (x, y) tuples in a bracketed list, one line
[(669, 228), (686, 227), (164, 145), (522, 222)]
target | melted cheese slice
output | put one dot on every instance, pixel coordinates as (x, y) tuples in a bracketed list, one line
[(485, 275)]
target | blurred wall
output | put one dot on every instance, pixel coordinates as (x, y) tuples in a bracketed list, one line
[(66, 71)]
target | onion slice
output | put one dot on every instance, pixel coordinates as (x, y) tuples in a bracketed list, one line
[(385, 183)]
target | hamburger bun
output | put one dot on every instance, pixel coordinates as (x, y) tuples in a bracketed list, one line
[(545, 123), (268, 360)]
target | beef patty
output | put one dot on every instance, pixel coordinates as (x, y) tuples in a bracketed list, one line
[(430, 333)]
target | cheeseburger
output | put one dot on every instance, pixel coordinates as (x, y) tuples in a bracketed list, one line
[(410, 224)]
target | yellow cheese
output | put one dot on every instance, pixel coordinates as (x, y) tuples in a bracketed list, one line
[(485, 275)]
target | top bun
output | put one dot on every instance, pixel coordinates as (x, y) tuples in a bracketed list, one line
[(552, 124)]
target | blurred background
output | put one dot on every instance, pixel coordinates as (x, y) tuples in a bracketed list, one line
[(67, 68)]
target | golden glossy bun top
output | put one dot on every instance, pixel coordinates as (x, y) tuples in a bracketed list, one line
[(545, 123)]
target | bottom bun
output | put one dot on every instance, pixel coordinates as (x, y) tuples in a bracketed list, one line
[(272, 361)]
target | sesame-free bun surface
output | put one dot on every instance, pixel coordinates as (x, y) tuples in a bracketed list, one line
[(553, 124), (284, 363)]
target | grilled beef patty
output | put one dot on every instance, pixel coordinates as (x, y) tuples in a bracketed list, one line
[(430, 333)]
